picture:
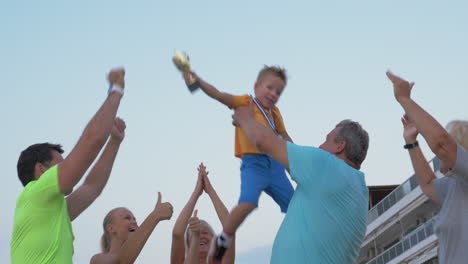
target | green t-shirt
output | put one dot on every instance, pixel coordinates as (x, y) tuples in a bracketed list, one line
[(42, 231)]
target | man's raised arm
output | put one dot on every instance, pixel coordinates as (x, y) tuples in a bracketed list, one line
[(97, 178), (94, 136)]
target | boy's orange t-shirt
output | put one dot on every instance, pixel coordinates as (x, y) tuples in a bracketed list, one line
[(242, 142)]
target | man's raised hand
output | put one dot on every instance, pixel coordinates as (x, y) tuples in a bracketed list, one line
[(117, 77)]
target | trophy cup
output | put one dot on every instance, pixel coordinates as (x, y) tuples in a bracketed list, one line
[(182, 62)]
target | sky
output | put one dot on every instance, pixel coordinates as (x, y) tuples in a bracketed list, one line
[(55, 56)]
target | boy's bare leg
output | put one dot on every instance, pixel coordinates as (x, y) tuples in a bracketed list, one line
[(237, 216), (222, 242)]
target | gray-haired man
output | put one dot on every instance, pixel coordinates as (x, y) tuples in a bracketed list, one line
[(326, 218)]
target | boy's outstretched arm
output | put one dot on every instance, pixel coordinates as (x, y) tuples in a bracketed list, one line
[(224, 98)]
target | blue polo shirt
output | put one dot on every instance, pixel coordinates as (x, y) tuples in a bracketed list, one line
[(327, 215)]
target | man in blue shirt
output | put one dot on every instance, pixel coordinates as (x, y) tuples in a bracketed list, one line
[(327, 216)]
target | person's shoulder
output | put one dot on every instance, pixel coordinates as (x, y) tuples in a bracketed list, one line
[(304, 151), (240, 100), (23, 196), (49, 173), (462, 155), (359, 177), (461, 164), (244, 98), (102, 258), (95, 259), (302, 147), (47, 181)]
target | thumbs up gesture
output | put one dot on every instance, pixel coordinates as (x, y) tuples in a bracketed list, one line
[(163, 211), (194, 224)]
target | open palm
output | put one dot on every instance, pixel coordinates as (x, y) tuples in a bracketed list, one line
[(410, 132), (401, 87)]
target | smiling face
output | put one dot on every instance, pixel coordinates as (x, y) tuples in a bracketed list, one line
[(268, 89), (123, 224), (206, 234), (205, 238)]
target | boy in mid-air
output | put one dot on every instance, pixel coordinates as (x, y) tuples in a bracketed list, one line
[(259, 172)]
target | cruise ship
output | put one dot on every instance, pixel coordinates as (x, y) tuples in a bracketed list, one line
[(400, 224)]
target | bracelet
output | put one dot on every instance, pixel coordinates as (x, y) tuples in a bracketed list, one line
[(411, 145), (115, 88)]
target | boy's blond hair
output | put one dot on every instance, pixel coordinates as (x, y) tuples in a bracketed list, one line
[(274, 70)]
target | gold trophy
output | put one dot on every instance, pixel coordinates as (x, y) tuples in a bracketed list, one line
[(182, 62)]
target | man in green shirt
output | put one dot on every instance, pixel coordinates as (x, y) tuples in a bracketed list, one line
[(42, 230)]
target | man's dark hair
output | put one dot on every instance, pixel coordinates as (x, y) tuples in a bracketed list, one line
[(28, 158)]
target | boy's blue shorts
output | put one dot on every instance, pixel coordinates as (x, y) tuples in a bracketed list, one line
[(262, 173)]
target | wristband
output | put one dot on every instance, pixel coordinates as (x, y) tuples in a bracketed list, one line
[(194, 86), (115, 88), (411, 145)]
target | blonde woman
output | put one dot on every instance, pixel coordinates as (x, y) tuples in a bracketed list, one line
[(193, 247), (123, 239)]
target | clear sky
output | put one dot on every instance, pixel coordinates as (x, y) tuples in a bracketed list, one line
[(55, 55)]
